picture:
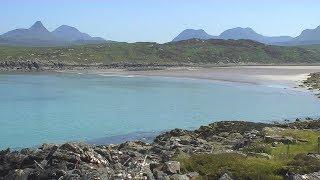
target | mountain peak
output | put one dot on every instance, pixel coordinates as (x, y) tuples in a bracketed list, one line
[(66, 28), (311, 35), (249, 29), (37, 25), (70, 33), (240, 33), (192, 34), (240, 30), (195, 30), (38, 35)]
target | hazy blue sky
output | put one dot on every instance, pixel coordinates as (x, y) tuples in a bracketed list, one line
[(162, 20)]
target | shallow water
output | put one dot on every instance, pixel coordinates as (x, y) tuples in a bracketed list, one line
[(38, 108)]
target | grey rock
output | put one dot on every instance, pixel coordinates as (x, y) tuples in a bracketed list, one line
[(224, 134), (135, 160), (280, 139), (311, 176), (179, 177), (19, 174), (70, 177), (314, 155), (235, 136), (172, 167), (225, 176), (160, 175), (73, 147), (193, 175)]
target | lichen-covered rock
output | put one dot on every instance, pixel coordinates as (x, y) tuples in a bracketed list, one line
[(19, 174), (161, 175), (140, 160), (179, 177), (225, 176), (193, 175), (172, 167)]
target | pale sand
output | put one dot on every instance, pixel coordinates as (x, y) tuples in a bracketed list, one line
[(281, 75)]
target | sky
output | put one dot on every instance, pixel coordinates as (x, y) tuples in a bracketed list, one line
[(162, 20)]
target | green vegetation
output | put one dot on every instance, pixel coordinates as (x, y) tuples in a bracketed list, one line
[(258, 147), (212, 166), (251, 163), (186, 52), (307, 142), (313, 82), (315, 48), (303, 164)]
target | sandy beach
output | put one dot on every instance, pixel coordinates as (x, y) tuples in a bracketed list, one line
[(283, 75)]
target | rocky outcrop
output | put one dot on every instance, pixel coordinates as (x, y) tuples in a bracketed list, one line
[(19, 65), (307, 123), (56, 65), (137, 159), (130, 160), (313, 83), (311, 176)]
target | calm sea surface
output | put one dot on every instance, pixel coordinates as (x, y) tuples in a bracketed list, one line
[(38, 108)]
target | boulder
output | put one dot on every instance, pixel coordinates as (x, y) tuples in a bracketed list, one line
[(137, 146), (70, 177), (275, 138), (193, 175), (160, 175), (73, 147), (179, 177), (173, 133), (19, 174), (172, 167), (314, 155), (225, 176)]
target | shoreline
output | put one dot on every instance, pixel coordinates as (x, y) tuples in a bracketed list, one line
[(290, 76), (150, 136), (171, 154), (287, 75)]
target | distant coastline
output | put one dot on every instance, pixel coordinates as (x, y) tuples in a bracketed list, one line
[(292, 75)]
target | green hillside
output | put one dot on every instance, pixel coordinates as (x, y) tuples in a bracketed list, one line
[(185, 52)]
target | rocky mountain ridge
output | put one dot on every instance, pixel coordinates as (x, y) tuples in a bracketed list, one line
[(307, 37), (38, 35)]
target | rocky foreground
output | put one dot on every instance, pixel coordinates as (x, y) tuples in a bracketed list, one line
[(45, 66), (162, 158), (313, 82)]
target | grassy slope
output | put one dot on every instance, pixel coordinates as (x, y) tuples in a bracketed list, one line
[(312, 82), (191, 51), (282, 160), (312, 47)]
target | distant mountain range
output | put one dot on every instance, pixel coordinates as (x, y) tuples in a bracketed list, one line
[(38, 35), (307, 37)]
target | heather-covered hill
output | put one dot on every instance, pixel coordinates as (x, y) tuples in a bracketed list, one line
[(190, 52)]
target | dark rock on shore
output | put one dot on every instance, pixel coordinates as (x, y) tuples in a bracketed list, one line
[(141, 160), (312, 82), (19, 65), (37, 65)]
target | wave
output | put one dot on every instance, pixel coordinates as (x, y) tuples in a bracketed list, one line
[(117, 75)]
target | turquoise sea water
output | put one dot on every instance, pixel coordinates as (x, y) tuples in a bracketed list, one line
[(38, 108)]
